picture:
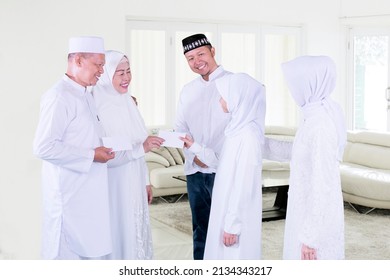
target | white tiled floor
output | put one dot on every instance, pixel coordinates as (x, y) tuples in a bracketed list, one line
[(169, 243)]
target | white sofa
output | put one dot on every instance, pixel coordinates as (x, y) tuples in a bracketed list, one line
[(365, 170), (275, 172), (164, 164)]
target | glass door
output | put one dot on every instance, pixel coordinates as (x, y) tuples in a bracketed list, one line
[(370, 90)]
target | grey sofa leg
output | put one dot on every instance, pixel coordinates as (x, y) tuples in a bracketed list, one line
[(361, 212)]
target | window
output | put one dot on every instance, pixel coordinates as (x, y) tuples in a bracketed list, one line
[(280, 45), (160, 70), (240, 48), (148, 66), (370, 78)]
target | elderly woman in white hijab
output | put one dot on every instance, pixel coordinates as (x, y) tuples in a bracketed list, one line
[(315, 211), (128, 176), (234, 230)]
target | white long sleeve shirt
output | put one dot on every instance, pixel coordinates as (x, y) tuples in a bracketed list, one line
[(75, 188), (199, 114)]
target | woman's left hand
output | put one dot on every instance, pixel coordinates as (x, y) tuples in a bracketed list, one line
[(149, 193), (229, 239), (308, 253)]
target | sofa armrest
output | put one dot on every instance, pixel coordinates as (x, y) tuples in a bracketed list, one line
[(153, 157), (154, 165)]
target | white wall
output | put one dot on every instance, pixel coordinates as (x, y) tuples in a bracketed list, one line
[(364, 8), (33, 46), (33, 50)]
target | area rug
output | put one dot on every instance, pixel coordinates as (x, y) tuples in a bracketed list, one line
[(367, 237)]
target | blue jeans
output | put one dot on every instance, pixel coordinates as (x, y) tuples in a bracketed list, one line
[(200, 188)]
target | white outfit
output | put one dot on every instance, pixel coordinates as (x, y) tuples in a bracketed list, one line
[(236, 206), (200, 116), (127, 173), (315, 210), (75, 189)]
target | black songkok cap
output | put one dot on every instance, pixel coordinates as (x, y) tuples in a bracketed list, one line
[(195, 41)]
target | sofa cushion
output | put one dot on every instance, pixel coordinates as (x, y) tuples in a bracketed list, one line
[(365, 182), (176, 155), (373, 156), (181, 152), (154, 157), (370, 137), (163, 151)]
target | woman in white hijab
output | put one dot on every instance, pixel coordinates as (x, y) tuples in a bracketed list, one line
[(234, 230), (128, 175), (315, 210)]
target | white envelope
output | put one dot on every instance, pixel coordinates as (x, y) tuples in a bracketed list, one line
[(172, 138), (117, 143)]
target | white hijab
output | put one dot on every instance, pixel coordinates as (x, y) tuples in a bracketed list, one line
[(117, 112), (245, 98), (311, 80)]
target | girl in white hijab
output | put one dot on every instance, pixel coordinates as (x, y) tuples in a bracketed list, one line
[(128, 175), (234, 230), (315, 210)]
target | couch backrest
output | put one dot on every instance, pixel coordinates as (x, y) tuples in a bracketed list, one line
[(280, 133), (368, 148), (280, 130)]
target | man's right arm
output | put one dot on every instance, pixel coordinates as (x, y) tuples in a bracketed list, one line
[(48, 144), (204, 157)]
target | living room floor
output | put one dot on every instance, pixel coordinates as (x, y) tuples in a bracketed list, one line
[(169, 243)]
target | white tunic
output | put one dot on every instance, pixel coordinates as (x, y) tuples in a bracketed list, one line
[(75, 189), (315, 213), (237, 199), (200, 115), (132, 238), (236, 206), (315, 209), (128, 173)]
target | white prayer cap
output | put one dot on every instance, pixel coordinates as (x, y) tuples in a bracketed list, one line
[(86, 44)]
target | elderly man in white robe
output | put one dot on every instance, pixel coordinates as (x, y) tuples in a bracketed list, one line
[(234, 230), (76, 222), (315, 210)]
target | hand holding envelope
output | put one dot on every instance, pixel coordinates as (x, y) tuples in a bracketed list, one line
[(165, 138), (124, 143), (188, 141), (152, 142), (172, 138)]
